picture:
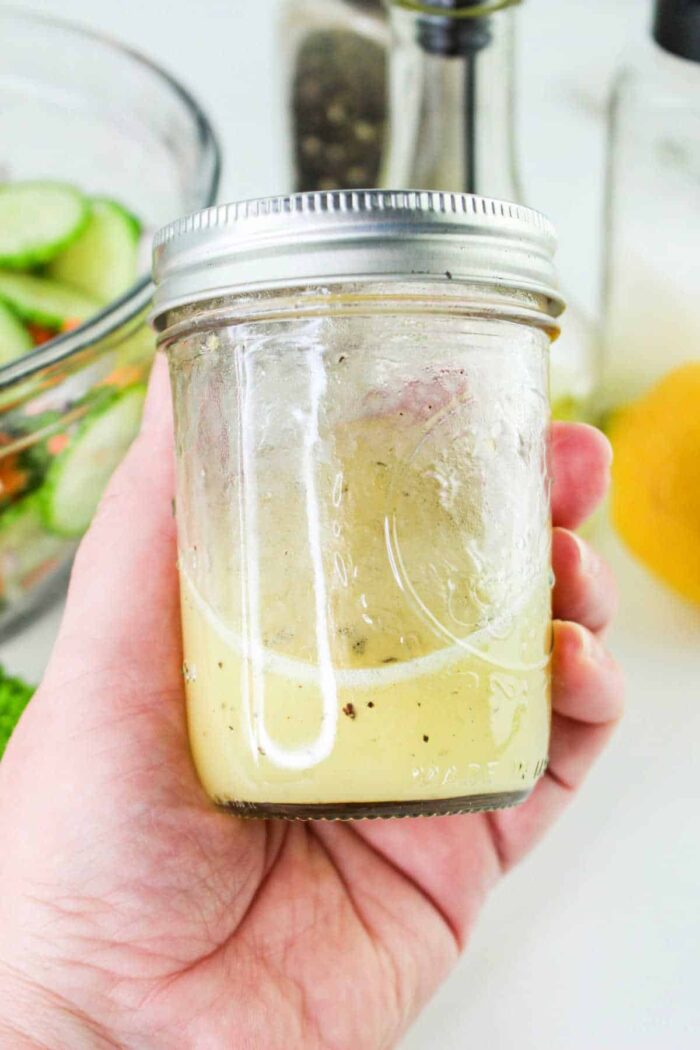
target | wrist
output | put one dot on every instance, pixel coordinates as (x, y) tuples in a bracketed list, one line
[(33, 1018)]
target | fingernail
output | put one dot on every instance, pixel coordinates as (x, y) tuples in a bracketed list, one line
[(589, 563), (586, 643), (589, 648)]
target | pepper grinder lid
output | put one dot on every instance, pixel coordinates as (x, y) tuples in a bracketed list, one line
[(451, 28), (677, 27)]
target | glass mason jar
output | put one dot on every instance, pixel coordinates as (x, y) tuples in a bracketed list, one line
[(651, 372), (360, 390)]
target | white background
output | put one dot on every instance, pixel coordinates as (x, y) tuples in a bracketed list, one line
[(593, 943)]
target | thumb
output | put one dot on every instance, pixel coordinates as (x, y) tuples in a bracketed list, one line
[(122, 603)]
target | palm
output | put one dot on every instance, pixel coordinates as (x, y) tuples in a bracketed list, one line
[(178, 925), (153, 888)]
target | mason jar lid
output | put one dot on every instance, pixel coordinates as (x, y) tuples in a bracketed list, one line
[(353, 235)]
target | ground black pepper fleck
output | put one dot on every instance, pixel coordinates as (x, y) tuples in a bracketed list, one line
[(425, 739), (349, 710), (371, 703)]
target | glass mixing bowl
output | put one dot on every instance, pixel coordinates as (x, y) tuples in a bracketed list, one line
[(78, 107)]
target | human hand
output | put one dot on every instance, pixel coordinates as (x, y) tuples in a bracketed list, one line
[(134, 914)]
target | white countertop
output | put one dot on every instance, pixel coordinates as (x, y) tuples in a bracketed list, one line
[(593, 943)]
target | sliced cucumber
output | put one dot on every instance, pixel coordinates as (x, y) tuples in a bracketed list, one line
[(103, 261), (38, 220), (15, 340), (27, 550), (77, 478), (44, 301), (128, 216)]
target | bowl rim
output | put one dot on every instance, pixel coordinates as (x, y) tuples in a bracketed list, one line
[(136, 298)]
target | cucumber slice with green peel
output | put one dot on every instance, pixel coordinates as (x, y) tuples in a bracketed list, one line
[(15, 340), (103, 261), (44, 301), (78, 476), (132, 221), (38, 220)]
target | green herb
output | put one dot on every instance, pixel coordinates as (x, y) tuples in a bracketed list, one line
[(14, 697)]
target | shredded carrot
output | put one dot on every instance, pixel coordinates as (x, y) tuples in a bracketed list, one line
[(70, 324), (57, 443), (123, 376), (40, 334), (12, 478), (30, 579)]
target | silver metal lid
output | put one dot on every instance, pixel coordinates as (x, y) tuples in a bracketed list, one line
[(353, 235)]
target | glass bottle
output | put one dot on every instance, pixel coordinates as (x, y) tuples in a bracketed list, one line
[(335, 91), (651, 368), (451, 100), (451, 126), (652, 292)]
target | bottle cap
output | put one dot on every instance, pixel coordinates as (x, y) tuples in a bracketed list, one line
[(677, 27), (356, 236), (451, 28), (455, 8)]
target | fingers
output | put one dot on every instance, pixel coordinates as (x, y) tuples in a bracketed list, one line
[(572, 753), (581, 458), (587, 687), (587, 700), (587, 684), (584, 589)]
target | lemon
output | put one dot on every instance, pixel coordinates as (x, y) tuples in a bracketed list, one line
[(656, 479)]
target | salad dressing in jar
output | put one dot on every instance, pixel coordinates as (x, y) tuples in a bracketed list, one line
[(361, 404)]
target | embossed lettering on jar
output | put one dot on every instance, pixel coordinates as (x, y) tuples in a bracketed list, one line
[(360, 390)]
